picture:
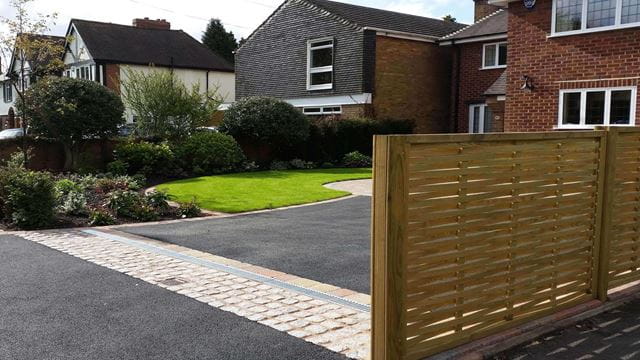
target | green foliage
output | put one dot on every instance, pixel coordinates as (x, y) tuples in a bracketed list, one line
[(106, 185), (101, 218), (117, 167), (18, 160), (73, 203), (145, 158), (65, 186), (449, 18), (165, 108), (266, 120), (208, 153), (158, 200), (131, 204), (71, 111), (27, 198), (295, 164), (333, 138), (219, 40), (189, 210), (356, 160), (278, 165)]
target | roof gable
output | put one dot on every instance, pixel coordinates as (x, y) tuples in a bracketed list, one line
[(494, 24), (116, 43)]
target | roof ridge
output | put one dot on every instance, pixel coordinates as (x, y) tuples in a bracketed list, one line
[(472, 25), (121, 25)]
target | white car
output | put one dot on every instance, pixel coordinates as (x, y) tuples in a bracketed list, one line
[(11, 133)]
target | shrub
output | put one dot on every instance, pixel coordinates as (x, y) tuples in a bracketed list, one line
[(27, 198), (267, 121), (145, 158), (208, 153), (356, 160), (278, 165), (301, 164), (117, 167), (131, 204), (189, 210), (72, 111), (101, 218), (65, 186), (158, 200), (108, 184), (73, 203)]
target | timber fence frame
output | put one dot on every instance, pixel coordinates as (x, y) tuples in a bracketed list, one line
[(477, 234)]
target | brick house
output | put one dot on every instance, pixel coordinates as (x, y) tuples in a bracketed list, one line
[(573, 64), (335, 59), (478, 79), (102, 52)]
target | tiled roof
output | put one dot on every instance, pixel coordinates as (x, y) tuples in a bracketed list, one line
[(499, 87), (388, 20), (131, 45), (494, 24)]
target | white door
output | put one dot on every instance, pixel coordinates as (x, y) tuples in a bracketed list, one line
[(480, 119)]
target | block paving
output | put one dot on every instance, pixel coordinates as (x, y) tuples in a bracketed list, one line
[(338, 328)]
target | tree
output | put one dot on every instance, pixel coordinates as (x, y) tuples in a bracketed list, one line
[(220, 41), (163, 105), (35, 54), (449, 18), (72, 111)]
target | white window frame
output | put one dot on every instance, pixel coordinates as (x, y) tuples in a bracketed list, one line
[(584, 30), (607, 107), (324, 110), (483, 108), (7, 89), (497, 59), (322, 69)]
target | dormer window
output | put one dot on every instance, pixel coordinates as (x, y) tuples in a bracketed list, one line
[(581, 16), (494, 56), (320, 64)]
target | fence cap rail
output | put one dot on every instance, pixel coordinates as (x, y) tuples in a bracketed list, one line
[(445, 138)]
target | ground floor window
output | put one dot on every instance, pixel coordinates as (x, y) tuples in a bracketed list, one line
[(322, 110), (584, 108), (480, 119)]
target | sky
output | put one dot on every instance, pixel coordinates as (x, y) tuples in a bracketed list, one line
[(239, 16)]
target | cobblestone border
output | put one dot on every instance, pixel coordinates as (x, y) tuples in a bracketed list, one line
[(338, 328)]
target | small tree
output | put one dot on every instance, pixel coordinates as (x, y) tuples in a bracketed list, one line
[(219, 40), (268, 121), (24, 42), (72, 111), (163, 105), (449, 18)]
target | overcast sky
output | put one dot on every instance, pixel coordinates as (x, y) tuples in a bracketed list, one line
[(239, 16)]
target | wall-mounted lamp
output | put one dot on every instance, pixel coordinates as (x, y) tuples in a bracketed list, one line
[(528, 84)]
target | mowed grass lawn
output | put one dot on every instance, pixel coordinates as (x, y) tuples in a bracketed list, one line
[(235, 193)]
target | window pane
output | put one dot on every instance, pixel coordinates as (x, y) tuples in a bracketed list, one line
[(601, 13), (630, 11), (475, 126), (322, 57), (620, 107), (502, 58), (322, 43), (595, 108), (488, 120), (311, 110), (571, 110), (322, 78), (490, 55), (568, 15)]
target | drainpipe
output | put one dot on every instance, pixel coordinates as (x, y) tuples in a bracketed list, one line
[(456, 106)]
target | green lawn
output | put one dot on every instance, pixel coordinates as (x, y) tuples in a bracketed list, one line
[(234, 193)]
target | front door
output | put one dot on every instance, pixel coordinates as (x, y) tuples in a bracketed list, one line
[(480, 119)]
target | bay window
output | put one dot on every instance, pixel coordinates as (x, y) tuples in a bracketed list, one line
[(576, 16), (320, 64), (586, 108)]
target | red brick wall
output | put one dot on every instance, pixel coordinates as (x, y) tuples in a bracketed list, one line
[(552, 62), (412, 83), (472, 82)]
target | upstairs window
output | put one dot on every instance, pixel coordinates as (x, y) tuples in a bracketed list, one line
[(7, 92), (325, 110), (588, 108), (494, 56), (575, 16), (320, 64)]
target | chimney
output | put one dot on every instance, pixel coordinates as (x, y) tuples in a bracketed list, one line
[(146, 23), (483, 9)]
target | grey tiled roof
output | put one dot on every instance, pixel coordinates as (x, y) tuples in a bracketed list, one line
[(388, 20), (494, 24), (131, 45), (499, 87)]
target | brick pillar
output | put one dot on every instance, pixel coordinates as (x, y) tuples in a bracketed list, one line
[(497, 109), (483, 9)]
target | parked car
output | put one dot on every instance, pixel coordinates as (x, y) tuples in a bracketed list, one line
[(207, 129), (11, 133)]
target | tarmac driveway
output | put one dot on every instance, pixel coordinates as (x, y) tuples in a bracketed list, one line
[(328, 242), (54, 306)]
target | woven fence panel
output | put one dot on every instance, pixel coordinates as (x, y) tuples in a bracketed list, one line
[(498, 232), (624, 264)]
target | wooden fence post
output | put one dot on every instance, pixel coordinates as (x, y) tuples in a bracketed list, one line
[(607, 212), (388, 248)]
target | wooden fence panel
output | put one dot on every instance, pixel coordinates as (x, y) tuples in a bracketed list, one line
[(474, 234), (624, 233)]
